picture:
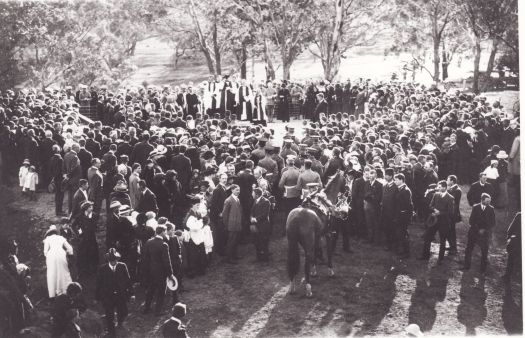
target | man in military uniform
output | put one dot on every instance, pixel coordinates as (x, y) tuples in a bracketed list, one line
[(307, 176), (288, 148)]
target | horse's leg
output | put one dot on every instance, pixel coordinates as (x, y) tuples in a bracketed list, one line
[(314, 252), (293, 259), (329, 252), (309, 254)]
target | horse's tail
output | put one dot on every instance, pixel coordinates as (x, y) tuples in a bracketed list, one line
[(294, 258)]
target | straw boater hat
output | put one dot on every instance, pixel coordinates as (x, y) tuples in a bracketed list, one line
[(502, 154), (121, 186)]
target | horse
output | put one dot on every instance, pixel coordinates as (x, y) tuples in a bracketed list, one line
[(305, 227)]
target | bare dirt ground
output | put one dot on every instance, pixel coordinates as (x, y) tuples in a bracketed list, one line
[(373, 292)]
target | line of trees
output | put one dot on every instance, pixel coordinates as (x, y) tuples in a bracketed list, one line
[(92, 41)]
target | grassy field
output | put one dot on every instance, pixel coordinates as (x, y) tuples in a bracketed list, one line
[(153, 59), (373, 292)]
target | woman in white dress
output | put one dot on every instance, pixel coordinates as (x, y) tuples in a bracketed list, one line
[(56, 248)]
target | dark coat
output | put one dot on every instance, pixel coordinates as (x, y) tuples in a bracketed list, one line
[(217, 202), (388, 202), (358, 193), (455, 191), (141, 153), (113, 284), (322, 107), (173, 328), (475, 191), (182, 165), (147, 202), (93, 147), (373, 193), (403, 202), (85, 158), (156, 259), (482, 219), (261, 212)]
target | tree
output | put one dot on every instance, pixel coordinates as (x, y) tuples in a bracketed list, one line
[(343, 24), (423, 23), (286, 24), (489, 19)]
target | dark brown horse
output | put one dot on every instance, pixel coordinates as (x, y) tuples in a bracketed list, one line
[(306, 227)]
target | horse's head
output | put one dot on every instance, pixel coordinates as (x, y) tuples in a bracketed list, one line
[(335, 185)]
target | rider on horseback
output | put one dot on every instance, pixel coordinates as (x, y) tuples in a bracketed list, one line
[(317, 199)]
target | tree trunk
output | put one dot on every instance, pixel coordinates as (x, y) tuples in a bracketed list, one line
[(492, 57), (477, 56), (244, 60), (334, 54), (216, 48), (270, 70), (209, 61), (437, 60), (287, 64)]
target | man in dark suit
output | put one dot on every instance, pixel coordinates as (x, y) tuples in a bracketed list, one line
[(373, 195), (482, 220), (141, 151), (45, 151), (71, 171), (260, 224), (404, 210), (173, 327), (148, 200), (109, 160), (156, 269), (442, 206), (219, 232), (182, 165), (55, 169), (92, 145), (175, 249), (66, 308), (232, 219), (334, 164), (455, 191), (96, 182), (388, 208), (357, 213), (81, 196), (478, 188), (85, 158), (245, 180), (124, 148), (113, 289), (322, 107)]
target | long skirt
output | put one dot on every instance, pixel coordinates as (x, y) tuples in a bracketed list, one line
[(197, 259)]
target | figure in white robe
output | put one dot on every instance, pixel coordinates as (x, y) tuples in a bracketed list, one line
[(56, 249)]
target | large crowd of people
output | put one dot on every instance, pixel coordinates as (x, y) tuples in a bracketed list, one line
[(177, 180)]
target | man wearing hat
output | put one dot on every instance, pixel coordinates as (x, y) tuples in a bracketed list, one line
[(269, 164), (288, 184), (307, 176), (288, 148), (113, 289), (96, 182), (173, 327), (442, 207)]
